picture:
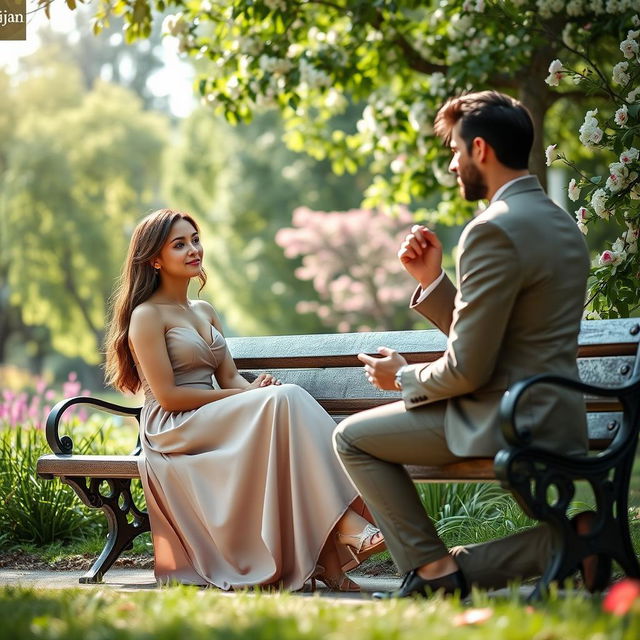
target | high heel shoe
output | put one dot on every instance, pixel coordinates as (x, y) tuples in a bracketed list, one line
[(363, 547), (311, 583), (342, 583)]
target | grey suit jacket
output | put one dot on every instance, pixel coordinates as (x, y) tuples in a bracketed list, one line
[(522, 268)]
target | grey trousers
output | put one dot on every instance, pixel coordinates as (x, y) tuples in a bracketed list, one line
[(374, 445)]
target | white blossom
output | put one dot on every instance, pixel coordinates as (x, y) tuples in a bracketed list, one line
[(399, 163), (437, 83), (512, 40), (419, 118), (313, 77), (575, 8), (555, 73), (621, 116), (573, 191), (629, 155), (619, 247), (629, 48), (609, 258), (174, 25), (455, 54), (635, 21), (620, 75), (618, 173), (335, 100), (551, 153), (547, 8), (277, 66), (582, 214), (590, 132), (632, 96), (186, 43), (599, 203)]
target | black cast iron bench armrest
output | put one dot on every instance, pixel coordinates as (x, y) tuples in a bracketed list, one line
[(64, 444), (512, 396)]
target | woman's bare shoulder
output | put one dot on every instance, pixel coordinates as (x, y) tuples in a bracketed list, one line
[(146, 314)]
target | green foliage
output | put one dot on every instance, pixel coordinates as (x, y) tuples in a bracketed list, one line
[(185, 612), (41, 511), (36, 510), (610, 200), (398, 60), (466, 513), (242, 185), (81, 166)]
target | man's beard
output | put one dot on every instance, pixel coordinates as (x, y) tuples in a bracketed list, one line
[(473, 185)]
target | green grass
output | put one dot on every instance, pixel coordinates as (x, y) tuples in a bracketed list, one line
[(45, 511), (90, 547), (187, 612)]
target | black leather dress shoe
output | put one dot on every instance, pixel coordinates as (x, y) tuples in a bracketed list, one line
[(414, 585)]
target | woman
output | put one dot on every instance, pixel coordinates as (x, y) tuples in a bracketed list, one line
[(241, 482)]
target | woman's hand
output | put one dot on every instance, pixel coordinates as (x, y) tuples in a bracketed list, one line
[(263, 380)]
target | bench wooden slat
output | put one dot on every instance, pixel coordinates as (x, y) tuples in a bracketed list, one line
[(472, 470), (607, 337), (98, 466), (102, 466), (346, 388)]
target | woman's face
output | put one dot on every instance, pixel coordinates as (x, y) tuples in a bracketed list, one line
[(181, 255)]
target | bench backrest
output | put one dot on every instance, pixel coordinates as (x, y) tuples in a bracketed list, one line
[(334, 376)]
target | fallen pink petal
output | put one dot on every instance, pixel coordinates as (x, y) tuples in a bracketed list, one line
[(622, 597), (472, 616)]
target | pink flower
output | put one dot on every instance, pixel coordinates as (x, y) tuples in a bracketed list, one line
[(606, 257)]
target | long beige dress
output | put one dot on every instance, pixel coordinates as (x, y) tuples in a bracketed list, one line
[(244, 490)]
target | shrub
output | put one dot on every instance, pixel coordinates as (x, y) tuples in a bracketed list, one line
[(33, 510)]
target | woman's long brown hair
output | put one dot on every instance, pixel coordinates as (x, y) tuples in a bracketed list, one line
[(137, 282)]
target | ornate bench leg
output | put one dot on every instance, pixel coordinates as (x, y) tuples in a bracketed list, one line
[(125, 521), (619, 536), (531, 479)]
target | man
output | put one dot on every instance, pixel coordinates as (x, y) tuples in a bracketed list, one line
[(522, 268)]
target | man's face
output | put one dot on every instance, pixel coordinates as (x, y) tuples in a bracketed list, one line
[(470, 179)]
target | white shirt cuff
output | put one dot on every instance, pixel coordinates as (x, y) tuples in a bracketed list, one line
[(426, 292)]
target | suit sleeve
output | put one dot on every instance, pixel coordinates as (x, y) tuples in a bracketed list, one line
[(489, 278), (438, 306)]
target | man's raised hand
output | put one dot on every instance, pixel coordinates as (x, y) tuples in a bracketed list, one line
[(421, 255)]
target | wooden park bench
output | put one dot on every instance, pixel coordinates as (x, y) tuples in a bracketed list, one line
[(326, 365)]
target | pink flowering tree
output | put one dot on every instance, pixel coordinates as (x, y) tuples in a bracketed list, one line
[(612, 200), (350, 257)]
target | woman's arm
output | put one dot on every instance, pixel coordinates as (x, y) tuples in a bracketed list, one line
[(146, 336)]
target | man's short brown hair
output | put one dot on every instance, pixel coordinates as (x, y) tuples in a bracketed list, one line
[(503, 121)]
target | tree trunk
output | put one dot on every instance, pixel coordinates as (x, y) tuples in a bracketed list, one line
[(536, 96)]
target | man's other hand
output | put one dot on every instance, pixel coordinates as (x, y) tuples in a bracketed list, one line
[(381, 372), (421, 255)]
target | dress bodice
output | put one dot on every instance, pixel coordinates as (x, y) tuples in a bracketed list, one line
[(193, 359)]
